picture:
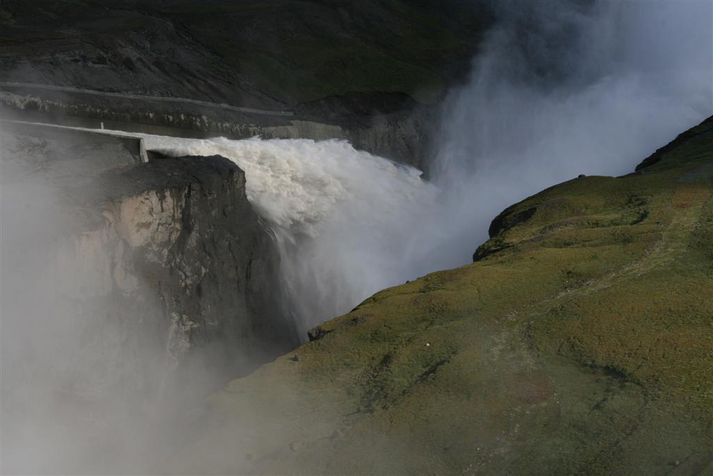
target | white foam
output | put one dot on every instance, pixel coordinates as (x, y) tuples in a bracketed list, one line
[(347, 223)]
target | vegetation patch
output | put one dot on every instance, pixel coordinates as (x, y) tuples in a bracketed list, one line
[(580, 341)]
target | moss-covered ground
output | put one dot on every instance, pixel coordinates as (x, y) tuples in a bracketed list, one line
[(581, 342)]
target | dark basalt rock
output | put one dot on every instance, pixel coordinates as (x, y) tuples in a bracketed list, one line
[(207, 257), (168, 251)]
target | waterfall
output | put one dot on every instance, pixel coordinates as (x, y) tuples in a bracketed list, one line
[(347, 223)]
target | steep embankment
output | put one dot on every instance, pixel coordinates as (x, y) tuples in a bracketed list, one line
[(581, 341), (368, 72)]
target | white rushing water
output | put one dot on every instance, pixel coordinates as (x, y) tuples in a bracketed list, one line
[(347, 223)]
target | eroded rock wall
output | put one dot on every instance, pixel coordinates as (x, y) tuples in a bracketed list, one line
[(182, 231), (135, 278)]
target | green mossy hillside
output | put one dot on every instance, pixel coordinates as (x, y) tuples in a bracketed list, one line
[(579, 342)]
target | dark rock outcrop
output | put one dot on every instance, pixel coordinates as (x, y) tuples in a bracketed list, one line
[(169, 254), (193, 240)]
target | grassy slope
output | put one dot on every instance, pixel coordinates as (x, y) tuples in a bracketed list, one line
[(584, 345)]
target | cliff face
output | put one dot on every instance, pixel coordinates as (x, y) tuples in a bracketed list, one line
[(182, 231), (579, 342), (129, 290)]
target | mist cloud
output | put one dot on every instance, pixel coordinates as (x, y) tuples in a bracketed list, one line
[(563, 88), (560, 88)]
